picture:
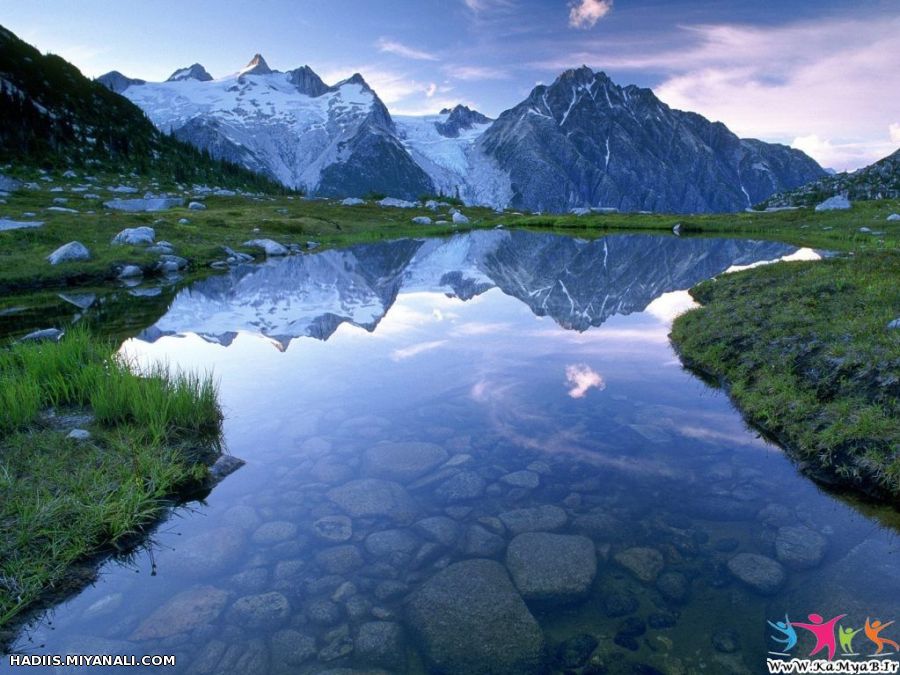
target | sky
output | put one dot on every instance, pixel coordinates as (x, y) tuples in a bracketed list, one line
[(822, 76)]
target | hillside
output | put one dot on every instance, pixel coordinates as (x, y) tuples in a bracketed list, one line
[(880, 180), (55, 118)]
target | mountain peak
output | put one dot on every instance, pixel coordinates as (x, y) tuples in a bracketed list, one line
[(257, 66), (356, 78), (307, 81), (460, 117), (192, 72)]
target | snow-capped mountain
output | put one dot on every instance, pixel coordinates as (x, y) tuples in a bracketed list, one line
[(326, 140), (442, 145), (576, 282), (582, 141)]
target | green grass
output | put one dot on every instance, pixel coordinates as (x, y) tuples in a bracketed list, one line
[(63, 501), (805, 350)]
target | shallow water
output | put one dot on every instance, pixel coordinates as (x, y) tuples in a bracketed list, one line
[(538, 370)]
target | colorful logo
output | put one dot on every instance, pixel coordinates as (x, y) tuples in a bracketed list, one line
[(830, 635)]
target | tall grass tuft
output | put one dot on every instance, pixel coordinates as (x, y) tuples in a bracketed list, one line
[(62, 500)]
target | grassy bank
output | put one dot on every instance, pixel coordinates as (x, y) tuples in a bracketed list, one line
[(807, 355), (64, 501), (289, 219)]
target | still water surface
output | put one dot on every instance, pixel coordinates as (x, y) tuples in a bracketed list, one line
[(405, 407)]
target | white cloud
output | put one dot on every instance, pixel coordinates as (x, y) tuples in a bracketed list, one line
[(474, 73), (480, 6), (399, 49), (836, 79), (581, 378), (391, 86), (413, 350), (894, 130), (586, 13), (431, 90)]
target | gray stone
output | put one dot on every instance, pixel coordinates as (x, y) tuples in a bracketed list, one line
[(461, 487), (552, 568), (799, 547), (404, 461), (371, 497), (183, 613), (44, 335), (323, 612), (6, 224), (135, 236), (205, 554), (542, 518), (892, 325), (146, 204), (380, 643), (460, 219), (292, 648), (352, 201), (333, 528), (79, 435), (197, 206), (269, 247), (643, 562), (386, 542), (171, 263), (522, 479), (469, 618), (479, 543), (422, 220), (274, 532), (340, 559), (836, 203), (265, 611), (71, 252), (224, 466), (398, 203), (759, 572), (893, 218), (130, 272), (439, 529), (673, 586)]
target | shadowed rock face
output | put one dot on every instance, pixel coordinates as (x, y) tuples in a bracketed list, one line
[(578, 283), (584, 141)]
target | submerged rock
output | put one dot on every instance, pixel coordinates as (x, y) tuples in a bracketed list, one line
[(402, 462), (799, 547), (552, 568), (333, 528), (371, 497), (534, 519), (643, 562), (266, 611), (461, 487), (184, 612), (469, 618), (759, 572), (380, 643)]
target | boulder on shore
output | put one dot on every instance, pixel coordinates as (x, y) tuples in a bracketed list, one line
[(71, 252)]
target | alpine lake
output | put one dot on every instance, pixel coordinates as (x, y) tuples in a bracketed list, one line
[(477, 454)]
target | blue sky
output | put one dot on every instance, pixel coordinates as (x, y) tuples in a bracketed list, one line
[(821, 75)]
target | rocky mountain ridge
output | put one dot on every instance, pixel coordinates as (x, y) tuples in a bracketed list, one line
[(582, 141)]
